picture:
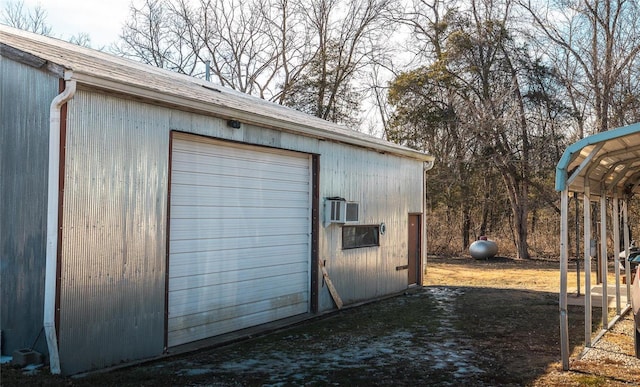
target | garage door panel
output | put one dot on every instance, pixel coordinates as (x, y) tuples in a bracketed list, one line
[(263, 256), (208, 227), (183, 335), (228, 152), (236, 177), (230, 271), (236, 167), (222, 245), (221, 314), (186, 180), (185, 266), (226, 239), (240, 237), (230, 167), (228, 295), (271, 198), (248, 212)]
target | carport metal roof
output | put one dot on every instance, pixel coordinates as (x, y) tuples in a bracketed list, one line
[(606, 162), (602, 167)]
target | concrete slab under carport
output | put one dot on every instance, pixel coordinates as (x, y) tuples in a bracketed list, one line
[(596, 297)]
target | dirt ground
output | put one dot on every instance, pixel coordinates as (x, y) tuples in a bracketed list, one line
[(476, 323)]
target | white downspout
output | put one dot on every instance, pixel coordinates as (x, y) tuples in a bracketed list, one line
[(52, 221)]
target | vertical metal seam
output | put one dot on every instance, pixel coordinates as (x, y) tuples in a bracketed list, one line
[(61, 179), (315, 227), (167, 244)]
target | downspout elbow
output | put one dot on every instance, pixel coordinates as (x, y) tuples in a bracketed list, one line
[(50, 285)]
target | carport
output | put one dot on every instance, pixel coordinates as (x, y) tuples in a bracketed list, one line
[(604, 169)]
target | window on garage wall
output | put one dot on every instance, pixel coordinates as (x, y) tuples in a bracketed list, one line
[(360, 236)]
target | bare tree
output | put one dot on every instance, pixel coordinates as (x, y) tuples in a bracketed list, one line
[(626, 97), (482, 104), (16, 15), (286, 30), (348, 39), (427, 109), (599, 42), (253, 46), (154, 34), (287, 51), (81, 39)]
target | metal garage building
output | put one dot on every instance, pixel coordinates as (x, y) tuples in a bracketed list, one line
[(143, 210)]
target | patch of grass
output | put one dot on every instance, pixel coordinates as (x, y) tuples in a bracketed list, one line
[(592, 380), (480, 323)]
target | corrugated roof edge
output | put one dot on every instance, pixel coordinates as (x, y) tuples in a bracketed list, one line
[(58, 53), (568, 155)]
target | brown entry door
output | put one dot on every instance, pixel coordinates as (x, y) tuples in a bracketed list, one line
[(415, 241)]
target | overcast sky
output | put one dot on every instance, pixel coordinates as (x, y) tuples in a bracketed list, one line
[(101, 19)]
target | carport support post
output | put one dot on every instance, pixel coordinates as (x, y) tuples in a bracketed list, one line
[(603, 259), (587, 265), (575, 199), (627, 242), (564, 257), (616, 249)]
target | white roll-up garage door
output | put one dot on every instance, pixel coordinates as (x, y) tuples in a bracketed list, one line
[(240, 242)]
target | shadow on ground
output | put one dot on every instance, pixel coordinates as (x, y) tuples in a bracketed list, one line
[(430, 336)]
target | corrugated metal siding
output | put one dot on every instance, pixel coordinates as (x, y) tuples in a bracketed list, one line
[(115, 211), (114, 232), (388, 188), (25, 96)]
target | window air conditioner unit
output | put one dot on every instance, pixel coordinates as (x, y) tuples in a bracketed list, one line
[(338, 210), (352, 213)]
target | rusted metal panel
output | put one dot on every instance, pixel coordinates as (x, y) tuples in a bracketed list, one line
[(25, 96), (113, 232)]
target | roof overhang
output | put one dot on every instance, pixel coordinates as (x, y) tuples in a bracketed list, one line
[(93, 69), (604, 163)]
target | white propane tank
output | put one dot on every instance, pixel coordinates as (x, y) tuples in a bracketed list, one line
[(483, 248)]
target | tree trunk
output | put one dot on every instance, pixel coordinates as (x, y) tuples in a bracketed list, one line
[(485, 210), (518, 197), (466, 225)]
